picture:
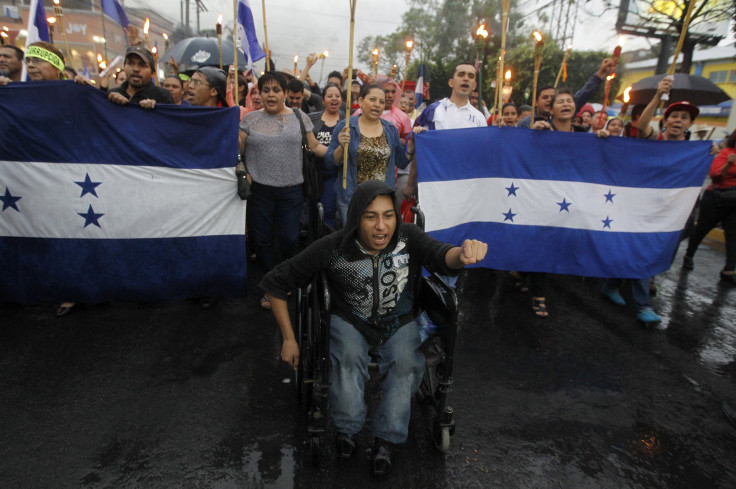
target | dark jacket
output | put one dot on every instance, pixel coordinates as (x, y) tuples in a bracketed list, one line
[(316, 118), (375, 293), (160, 95)]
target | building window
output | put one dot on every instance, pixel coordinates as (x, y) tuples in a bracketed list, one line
[(732, 77), (718, 76)]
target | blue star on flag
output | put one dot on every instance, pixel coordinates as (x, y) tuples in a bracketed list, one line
[(607, 222), (88, 186), (564, 205), (9, 200), (609, 196), (90, 217), (508, 216), (512, 190)]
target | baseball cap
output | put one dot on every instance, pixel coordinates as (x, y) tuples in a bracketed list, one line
[(217, 80), (142, 53), (684, 105)]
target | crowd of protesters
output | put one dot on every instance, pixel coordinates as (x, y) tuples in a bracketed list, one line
[(378, 140)]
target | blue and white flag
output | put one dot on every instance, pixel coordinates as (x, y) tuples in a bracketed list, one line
[(101, 201), (247, 33), (116, 12), (560, 202), (38, 29), (419, 90)]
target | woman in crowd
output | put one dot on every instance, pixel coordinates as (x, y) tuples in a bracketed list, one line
[(374, 147), (723, 175), (615, 127), (272, 141), (44, 61), (324, 123), (175, 86), (509, 114)]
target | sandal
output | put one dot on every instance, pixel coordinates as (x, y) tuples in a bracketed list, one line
[(519, 282), (539, 307), (265, 304)]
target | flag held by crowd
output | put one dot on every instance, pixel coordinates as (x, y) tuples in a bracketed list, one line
[(102, 202), (561, 203), (247, 33), (116, 12)]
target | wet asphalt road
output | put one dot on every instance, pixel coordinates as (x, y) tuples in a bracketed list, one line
[(166, 395)]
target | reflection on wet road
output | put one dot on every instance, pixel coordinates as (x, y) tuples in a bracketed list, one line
[(170, 395)]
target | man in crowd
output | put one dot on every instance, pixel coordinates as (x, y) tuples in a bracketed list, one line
[(475, 101), (298, 97), (545, 94), (11, 63), (207, 87), (374, 247), (454, 112), (336, 78), (139, 67)]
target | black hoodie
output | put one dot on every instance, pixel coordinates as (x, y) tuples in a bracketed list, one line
[(373, 292)]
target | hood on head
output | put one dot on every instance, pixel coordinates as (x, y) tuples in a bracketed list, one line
[(364, 194)]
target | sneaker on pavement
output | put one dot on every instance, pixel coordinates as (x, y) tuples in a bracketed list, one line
[(648, 316), (614, 296)]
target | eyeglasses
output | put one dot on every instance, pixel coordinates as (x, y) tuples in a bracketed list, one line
[(195, 82)]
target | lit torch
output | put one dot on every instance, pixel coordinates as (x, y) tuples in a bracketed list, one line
[(538, 50), (374, 61), (296, 59), (60, 19), (146, 25), (625, 105), (154, 51), (323, 57), (615, 57), (166, 41)]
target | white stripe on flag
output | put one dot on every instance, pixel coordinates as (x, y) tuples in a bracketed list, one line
[(538, 203), (137, 201)]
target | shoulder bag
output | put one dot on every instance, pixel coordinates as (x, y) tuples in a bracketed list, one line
[(312, 186)]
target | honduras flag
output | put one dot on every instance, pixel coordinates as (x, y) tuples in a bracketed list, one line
[(419, 90), (38, 29), (101, 201), (566, 203), (247, 33), (116, 12)]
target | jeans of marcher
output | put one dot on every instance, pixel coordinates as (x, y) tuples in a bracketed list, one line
[(639, 289), (399, 358), (275, 213), (709, 217)]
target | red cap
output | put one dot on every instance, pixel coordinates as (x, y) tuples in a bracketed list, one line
[(684, 105)]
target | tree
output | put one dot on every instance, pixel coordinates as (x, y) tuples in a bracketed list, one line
[(664, 19)]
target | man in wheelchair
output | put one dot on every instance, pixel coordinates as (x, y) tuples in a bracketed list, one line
[(371, 265)]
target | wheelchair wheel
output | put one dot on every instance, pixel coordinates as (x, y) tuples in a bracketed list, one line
[(315, 449), (441, 438), (304, 371)]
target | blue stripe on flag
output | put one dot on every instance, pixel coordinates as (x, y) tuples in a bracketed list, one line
[(513, 152), (87, 128), (116, 12), (568, 251), (93, 270), (247, 31)]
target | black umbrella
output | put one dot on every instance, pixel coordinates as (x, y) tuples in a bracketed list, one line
[(194, 52), (695, 89)]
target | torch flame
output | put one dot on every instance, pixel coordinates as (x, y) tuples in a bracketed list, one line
[(146, 25), (219, 19), (537, 36), (626, 95), (375, 52), (51, 20), (56, 2), (620, 40), (5, 28), (165, 36), (154, 50), (325, 54), (296, 58), (99, 58), (611, 76), (482, 31), (507, 76), (409, 44)]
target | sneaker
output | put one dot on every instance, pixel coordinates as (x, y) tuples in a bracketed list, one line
[(345, 445), (687, 262), (381, 462), (614, 296), (648, 317)]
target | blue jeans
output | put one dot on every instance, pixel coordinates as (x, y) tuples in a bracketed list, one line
[(639, 289), (402, 361), (275, 213), (329, 200)]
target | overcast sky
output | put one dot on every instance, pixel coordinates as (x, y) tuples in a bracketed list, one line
[(297, 27)]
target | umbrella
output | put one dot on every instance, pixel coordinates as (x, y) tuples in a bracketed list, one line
[(695, 89), (194, 52)]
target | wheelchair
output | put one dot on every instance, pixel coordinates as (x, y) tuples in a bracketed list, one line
[(312, 326)]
